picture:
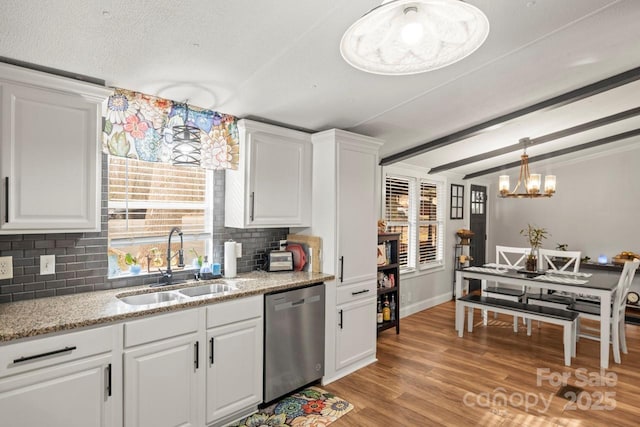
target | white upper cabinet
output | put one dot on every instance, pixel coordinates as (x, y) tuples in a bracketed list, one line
[(50, 163), (272, 186)]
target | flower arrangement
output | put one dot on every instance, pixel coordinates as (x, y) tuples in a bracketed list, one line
[(132, 262)]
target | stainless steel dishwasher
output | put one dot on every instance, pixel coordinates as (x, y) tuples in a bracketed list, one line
[(293, 340)]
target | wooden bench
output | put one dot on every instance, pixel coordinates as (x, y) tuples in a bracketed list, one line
[(567, 319)]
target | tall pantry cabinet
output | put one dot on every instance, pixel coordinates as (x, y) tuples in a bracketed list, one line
[(345, 206)]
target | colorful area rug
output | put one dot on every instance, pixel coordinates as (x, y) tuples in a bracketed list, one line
[(311, 407)]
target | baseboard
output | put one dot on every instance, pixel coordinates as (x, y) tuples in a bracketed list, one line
[(409, 309), (348, 370)]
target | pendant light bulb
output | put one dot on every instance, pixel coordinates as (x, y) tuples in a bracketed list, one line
[(412, 31)]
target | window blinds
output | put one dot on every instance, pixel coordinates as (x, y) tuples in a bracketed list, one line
[(431, 226), (397, 213), (411, 209), (146, 199)]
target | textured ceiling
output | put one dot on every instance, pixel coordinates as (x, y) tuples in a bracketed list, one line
[(278, 60)]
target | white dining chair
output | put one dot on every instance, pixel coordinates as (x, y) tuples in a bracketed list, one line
[(554, 260), (590, 310), (559, 261), (509, 257)]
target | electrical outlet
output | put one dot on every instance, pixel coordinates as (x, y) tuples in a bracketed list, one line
[(47, 264), (6, 267)]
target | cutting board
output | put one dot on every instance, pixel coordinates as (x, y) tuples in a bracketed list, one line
[(310, 242)]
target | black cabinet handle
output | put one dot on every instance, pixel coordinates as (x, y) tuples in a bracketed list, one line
[(364, 291), (196, 347), (109, 380), (49, 353), (252, 196), (211, 355), (6, 200), (340, 324), (341, 269)]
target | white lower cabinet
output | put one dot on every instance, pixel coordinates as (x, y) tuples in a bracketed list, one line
[(234, 359), (191, 368), (355, 338), (161, 383), (69, 380), (162, 368), (195, 367)]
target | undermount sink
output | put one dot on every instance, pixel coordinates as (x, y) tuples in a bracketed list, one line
[(152, 298), (215, 288)]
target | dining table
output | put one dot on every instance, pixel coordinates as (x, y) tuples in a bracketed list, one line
[(582, 284)]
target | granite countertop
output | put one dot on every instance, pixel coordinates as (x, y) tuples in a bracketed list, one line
[(45, 315)]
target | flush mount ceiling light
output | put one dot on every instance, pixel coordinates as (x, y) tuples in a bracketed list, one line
[(530, 182), (402, 37)]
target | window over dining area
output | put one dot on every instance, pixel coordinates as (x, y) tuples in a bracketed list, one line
[(412, 208)]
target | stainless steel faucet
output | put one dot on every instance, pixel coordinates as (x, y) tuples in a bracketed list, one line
[(167, 274)]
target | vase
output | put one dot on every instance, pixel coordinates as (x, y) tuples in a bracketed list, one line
[(135, 269), (531, 263)]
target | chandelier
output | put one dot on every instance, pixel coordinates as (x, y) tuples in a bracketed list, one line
[(528, 183), (402, 37)]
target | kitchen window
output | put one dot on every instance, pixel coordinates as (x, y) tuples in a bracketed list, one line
[(147, 199), (412, 209)]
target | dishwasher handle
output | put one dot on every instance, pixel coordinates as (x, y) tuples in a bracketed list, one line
[(285, 305)]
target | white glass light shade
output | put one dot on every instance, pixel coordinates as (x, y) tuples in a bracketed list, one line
[(503, 184), (414, 36), (412, 31), (550, 184), (534, 183)]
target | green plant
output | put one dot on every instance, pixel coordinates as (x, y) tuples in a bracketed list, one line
[(130, 259), (198, 257), (562, 246), (535, 236)]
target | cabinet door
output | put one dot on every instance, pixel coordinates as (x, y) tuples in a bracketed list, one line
[(279, 181), (356, 334), (74, 394), (160, 384), (357, 214), (234, 374), (50, 162)]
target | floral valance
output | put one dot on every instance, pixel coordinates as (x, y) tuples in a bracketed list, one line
[(141, 127)]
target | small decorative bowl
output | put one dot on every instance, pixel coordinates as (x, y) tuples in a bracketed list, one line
[(464, 236)]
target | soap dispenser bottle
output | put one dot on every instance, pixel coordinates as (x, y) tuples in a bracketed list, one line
[(205, 270)]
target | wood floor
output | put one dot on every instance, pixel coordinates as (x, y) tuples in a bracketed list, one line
[(427, 376)]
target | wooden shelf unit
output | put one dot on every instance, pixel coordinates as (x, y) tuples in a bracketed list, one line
[(390, 269)]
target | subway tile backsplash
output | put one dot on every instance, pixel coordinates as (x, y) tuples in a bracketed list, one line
[(81, 258)]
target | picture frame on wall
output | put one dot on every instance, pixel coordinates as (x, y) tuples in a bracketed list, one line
[(457, 202)]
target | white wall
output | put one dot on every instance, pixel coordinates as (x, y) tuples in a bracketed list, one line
[(595, 210)]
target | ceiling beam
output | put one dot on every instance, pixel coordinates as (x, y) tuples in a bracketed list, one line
[(555, 102), (541, 139), (546, 156)]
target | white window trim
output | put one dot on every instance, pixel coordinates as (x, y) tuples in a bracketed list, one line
[(418, 173)]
